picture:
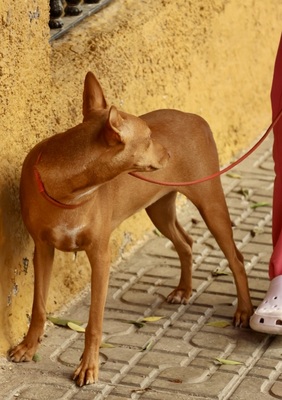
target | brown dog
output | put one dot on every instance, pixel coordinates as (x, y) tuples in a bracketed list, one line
[(75, 189)]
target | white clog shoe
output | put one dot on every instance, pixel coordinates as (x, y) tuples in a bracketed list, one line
[(267, 317)]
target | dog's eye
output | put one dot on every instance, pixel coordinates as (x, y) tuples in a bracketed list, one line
[(148, 142)]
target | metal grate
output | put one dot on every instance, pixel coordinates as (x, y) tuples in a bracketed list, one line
[(71, 21)]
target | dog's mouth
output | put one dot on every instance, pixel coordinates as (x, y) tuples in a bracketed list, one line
[(161, 164), (147, 168), (155, 166), (151, 168)]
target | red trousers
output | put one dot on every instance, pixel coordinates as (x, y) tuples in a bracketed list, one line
[(275, 264)]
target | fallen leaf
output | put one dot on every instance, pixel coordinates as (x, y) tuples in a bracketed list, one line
[(62, 322), (244, 192), (148, 345), (219, 324), (36, 357), (140, 391), (75, 327), (142, 322), (218, 271), (104, 345), (256, 231), (233, 175), (138, 324), (261, 204), (151, 319), (228, 362)]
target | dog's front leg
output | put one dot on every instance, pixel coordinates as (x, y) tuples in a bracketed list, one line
[(43, 261), (245, 307), (87, 371)]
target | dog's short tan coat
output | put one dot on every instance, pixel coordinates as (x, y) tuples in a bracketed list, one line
[(75, 189)]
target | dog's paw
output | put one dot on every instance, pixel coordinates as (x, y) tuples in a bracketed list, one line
[(85, 374), (23, 352), (241, 318), (179, 296)]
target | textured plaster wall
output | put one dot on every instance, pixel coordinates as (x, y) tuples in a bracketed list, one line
[(25, 111), (211, 57)]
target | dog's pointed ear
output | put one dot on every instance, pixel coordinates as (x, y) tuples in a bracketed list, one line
[(112, 132), (93, 96)]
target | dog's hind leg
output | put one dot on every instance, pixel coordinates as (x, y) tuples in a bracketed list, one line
[(210, 201), (43, 261), (163, 215)]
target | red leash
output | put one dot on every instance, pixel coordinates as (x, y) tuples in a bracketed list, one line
[(57, 203), (42, 190), (218, 173)]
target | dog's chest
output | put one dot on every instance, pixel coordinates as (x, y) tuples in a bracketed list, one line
[(68, 238)]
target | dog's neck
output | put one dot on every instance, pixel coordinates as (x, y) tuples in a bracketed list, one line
[(43, 192), (74, 181)]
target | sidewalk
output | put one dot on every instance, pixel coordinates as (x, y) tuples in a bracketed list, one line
[(174, 357)]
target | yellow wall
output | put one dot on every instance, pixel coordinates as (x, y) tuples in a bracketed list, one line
[(211, 57), (25, 112)]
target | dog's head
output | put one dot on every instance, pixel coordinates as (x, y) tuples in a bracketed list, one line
[(130, 146)]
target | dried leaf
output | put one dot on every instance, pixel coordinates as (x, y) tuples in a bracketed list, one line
[(256, 231), (104, 345), (219, 324), (75, 327), (175, 380), (244, 192), (62, 322), (218, 271), (138, 324), (228, 362), (151, 319), (261, 204), (36, 357), (234, 175), (148, 345), (141, 391)]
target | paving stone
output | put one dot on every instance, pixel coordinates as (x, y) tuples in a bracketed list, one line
[(159, 358), (192, 381), (276, 390), (157, 395), (251, 389)]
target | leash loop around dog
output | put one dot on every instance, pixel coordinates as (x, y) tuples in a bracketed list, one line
[(42, 190), (218, 173)]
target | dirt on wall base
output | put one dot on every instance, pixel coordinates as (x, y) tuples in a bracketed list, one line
[(210, 57)]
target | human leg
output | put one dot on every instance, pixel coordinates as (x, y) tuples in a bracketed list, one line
[(275, 265), (268, 316)]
